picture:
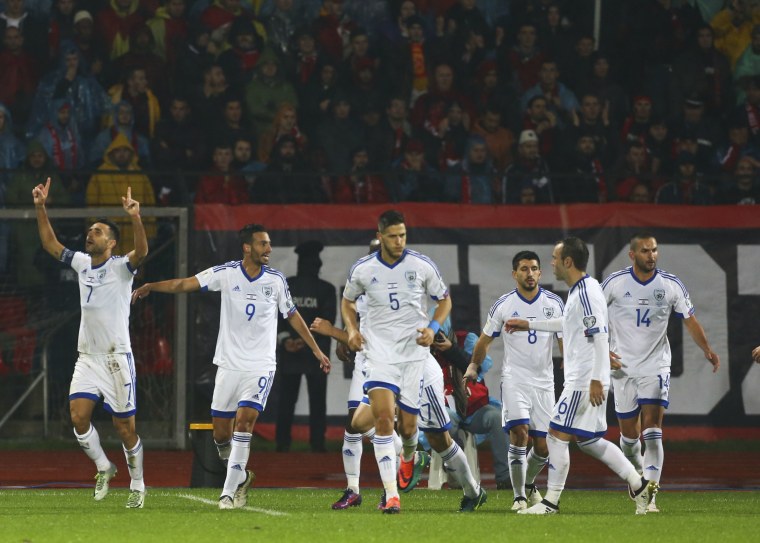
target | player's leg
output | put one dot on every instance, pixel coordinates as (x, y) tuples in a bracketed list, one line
[(223, 424), (488, 420), (654, 454), (518, 462), (382, 404), (352, 455), (627, 410), (542, 405), (289, 387), (456, 466), (316, 384), (133, 452)]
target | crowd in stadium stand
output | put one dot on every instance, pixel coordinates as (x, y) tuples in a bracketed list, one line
[(372, 101)]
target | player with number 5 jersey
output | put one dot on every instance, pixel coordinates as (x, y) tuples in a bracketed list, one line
[(641, 299), (252, 296)]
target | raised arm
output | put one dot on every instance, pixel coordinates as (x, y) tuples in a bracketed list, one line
[(296, 321), (132, 207), (49, 242), (697, 333)]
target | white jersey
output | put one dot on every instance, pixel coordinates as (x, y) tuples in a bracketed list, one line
[(639, 315), (527, 355), (104, 295), (396, 305), (248, 321), (585, 316), (361, 313)]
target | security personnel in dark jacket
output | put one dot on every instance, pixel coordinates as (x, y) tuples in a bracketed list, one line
[(314, 298)]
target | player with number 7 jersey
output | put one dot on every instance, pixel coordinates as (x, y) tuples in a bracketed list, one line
[(252, 295)]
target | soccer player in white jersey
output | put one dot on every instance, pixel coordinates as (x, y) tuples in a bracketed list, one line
[(105, 367), (580, 413), (252, 294), (641, 298), (396, 341), (527, 374)]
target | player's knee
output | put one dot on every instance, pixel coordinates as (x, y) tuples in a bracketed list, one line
[(439, 441), (126, 429), (519, 435)]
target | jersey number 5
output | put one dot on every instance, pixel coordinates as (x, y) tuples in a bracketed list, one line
[(394, 301)]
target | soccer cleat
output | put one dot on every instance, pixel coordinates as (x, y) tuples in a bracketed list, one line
[(225, 502), (409, 473), (241, 492), (136, 499), (644, 496), (534, 496), (541, 508), (392, 506), (468, 505), (381, 505), (652, 507), (349, 499), (519, 504), (102, 478)]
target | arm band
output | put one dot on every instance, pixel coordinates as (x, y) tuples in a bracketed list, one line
[(601, 357), (434, 326), (552, 325)]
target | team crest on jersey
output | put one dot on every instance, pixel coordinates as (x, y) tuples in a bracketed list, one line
[(267, 291), (589, 321), (659, 294), (548, 312), (101, 275), (410, 276)]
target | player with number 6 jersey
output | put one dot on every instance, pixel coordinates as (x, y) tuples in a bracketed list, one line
[(252, 295)]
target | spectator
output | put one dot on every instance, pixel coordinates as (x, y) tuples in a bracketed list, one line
[(365, 89), (115, 23), (178, 146), (281, 25), (733, 28), (137, 92), (745, 189), (316, 97), (359, 186), (587, 182), (124, 123), (243, 160), (19, 74), (525, 58), (338, 135), (465, 17), (704, 71), (560, 100), (446, 145), (543, 122), (222, 186), (659, 147), (693, 124), (60, 137), (220, 14), (430, 109), (267, 91), (473, 180), (611, 95), (25, 237), (308, 59), (495, 91), (141, 55), (592, 118), (528, 170), (636, 125), (738, 146), (750, 109), (466, 51), (359, 57), (170, 29), (555, 34), (631, 169), (33, 28), (288, 178), (640, 194), (285, 123), (60, 25), (231, 124), (409, 62), (69, 81), (333, 30), (85, 41), (577, 62), (686, 187), (193, 58), (240, 60), (395, 31), (106, 187), (413, 179), (499, 140), (208, 98), (387, 140)]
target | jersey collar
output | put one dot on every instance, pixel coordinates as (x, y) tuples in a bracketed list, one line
[(578, 282), (529, 302), (644, 283), (245, 274), (390, 266)]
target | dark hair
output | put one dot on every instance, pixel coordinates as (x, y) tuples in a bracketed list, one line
[(115, 234), (639, 237), (389, 218), (576, 249), (535, 99), (245, 235), (525, 255)]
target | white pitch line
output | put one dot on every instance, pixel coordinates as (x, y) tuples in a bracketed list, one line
[(247, 508)]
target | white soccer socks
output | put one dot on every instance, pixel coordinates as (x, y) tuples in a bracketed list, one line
[(90, 444), (632, 450), (456, 464), (559, 466), (654, 456), (518, 466), (352, 459), (241, 450), (134, 458)]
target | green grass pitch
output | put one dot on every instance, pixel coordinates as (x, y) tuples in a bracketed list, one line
[(281, 515)]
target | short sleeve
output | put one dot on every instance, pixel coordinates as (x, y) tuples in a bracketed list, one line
[(284, 300), (494, 322), (211, 279), (434, 285), (682, 305), (77, 260)]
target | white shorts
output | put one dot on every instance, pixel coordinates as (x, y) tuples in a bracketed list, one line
[(404, 379), (356, 389), (573, 414), (524, 404), (434, 416), (632, 392), (111, 376), (233, 389)]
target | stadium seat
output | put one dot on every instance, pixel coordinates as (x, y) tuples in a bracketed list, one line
[(438, 475)]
